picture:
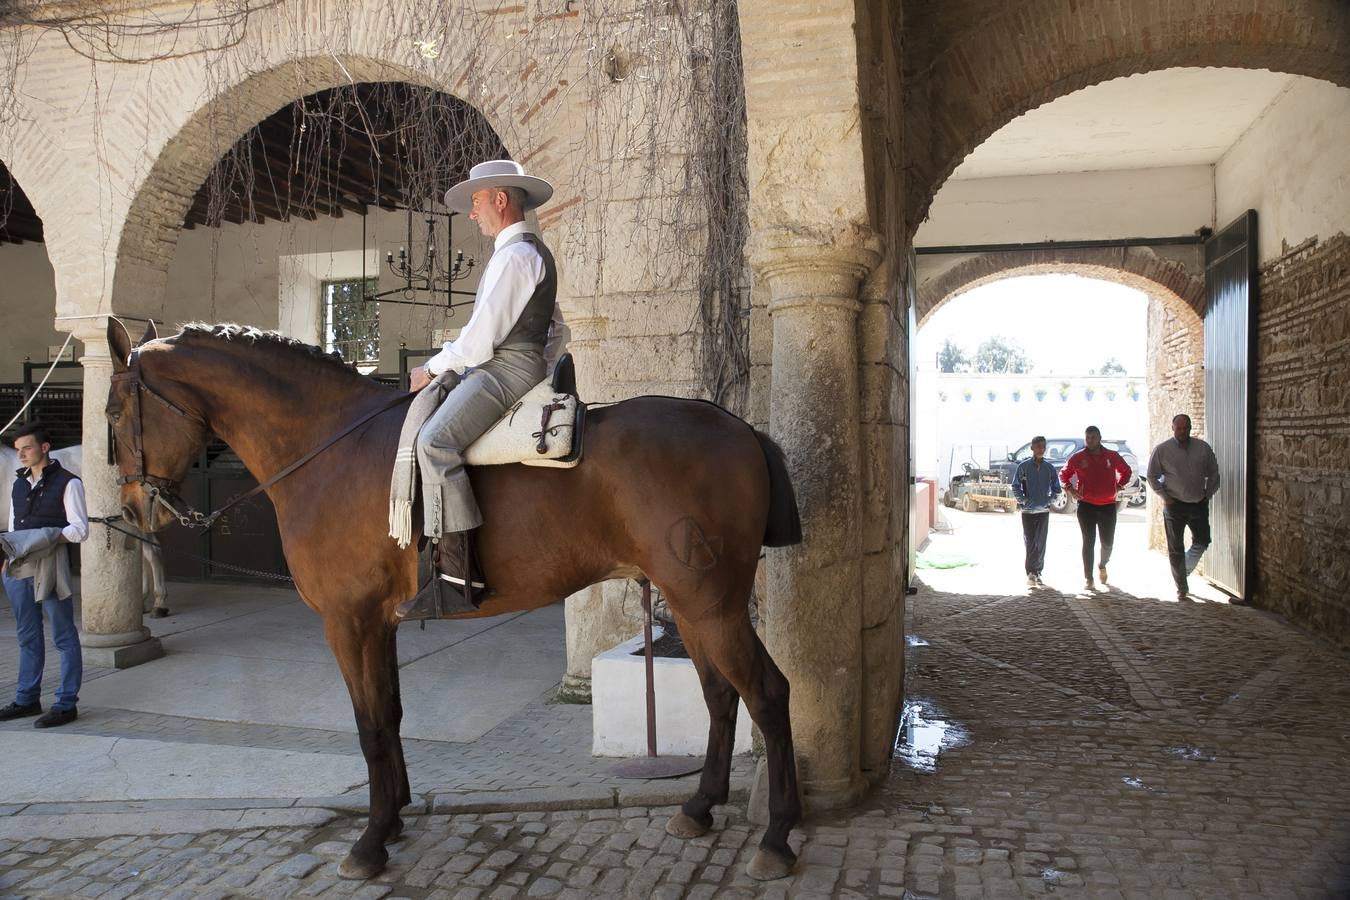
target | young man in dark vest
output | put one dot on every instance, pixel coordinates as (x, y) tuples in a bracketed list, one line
[(45, 495), (506, 348)]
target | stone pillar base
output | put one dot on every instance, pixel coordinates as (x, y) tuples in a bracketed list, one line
[(120, 651), (574, 689), (816, 797)]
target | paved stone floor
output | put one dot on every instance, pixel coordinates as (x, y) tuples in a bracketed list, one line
[(1059, 742)]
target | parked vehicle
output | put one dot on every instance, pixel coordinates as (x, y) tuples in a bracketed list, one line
[(1058, 450), (978, 489)]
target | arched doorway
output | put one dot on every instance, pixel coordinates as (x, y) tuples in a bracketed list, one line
[(1264, 165), (324, 221), (29, 345), (1175, 332)]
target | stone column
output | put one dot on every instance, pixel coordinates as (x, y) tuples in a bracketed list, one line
[(598, 618), (110, 570), (814, 616)]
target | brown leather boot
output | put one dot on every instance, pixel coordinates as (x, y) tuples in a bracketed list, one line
[(443, 591), (458, 566)]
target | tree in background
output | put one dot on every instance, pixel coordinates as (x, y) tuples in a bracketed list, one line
[(952, 358), (1112, 366), (1001, 356)]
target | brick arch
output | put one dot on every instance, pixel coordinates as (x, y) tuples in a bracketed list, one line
[(150, 231), (1166, 281), (981, 77)]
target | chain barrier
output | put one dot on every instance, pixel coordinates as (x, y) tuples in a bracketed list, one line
[(108, 523)]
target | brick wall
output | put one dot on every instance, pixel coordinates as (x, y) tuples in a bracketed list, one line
[(1303, 437), (1176, 384)]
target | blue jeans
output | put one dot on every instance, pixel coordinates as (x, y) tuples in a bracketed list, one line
[(33, 648)]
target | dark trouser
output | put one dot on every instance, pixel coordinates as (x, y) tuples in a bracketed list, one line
[(1176, 519), (1035, 527), (1096, 519)]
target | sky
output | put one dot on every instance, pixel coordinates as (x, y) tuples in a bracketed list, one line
[(1066, 324)]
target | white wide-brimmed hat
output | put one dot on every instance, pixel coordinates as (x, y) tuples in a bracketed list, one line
[(498, 173)]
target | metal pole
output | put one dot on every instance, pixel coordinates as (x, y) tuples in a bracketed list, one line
[(651, 671), (651, 765)]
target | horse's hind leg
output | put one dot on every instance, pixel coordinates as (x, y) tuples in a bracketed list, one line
[(729, 644), (365, 652), (695, 817)]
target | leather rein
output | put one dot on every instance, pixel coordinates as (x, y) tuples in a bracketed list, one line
[(161, 487)]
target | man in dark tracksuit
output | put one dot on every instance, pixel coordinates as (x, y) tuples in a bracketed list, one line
[(1035, 484)]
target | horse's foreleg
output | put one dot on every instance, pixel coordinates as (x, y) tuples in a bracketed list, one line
[(695, 816), (400, 765), (366, 653)]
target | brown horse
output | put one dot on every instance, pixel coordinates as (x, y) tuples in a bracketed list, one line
[(678, 491)]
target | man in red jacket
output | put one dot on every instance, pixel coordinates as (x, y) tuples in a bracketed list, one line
[(1092, 476)]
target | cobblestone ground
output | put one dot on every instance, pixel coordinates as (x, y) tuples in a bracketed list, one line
[(1102, 744)]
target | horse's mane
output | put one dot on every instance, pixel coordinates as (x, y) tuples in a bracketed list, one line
[(229, 331)]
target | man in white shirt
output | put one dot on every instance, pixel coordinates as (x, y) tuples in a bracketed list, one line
[(514, 333), (44, 495)]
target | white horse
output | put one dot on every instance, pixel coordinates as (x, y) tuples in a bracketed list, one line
[(154, 590)]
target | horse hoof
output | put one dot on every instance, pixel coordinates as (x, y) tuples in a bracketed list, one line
[(682, 826), (768, 865), (160, 613), (357, 870)]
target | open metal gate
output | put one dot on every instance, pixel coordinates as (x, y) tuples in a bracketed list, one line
[(911, 339), (1230, 324)]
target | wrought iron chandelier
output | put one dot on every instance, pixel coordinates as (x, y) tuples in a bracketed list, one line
[(433, 276)]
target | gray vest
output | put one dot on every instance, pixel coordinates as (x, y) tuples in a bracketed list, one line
[(531, 330)]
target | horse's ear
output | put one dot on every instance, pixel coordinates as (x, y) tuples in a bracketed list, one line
[(119, 344), (151, 333)]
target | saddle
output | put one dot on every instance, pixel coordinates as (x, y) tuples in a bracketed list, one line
[(543, 428)]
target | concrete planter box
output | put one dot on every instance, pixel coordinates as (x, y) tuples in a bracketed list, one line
[(619, 705)]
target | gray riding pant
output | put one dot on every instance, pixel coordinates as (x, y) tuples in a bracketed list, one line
[(475, 403)]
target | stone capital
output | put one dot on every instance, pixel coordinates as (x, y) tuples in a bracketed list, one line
[(801, 274), (92, 330)]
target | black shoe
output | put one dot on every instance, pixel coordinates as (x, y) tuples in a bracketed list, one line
[(56, 717), (19, 711)]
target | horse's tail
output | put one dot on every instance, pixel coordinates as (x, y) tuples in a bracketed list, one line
[(785, 525)]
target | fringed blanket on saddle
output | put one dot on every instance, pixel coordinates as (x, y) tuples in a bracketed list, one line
[(543, 428)]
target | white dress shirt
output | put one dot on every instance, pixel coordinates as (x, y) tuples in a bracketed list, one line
[(76, 514), (508, 282)]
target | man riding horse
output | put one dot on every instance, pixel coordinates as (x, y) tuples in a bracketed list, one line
[(513, 337)]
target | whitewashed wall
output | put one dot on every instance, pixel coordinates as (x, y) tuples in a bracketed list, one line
[(1292, 166), (985, 427), (27, 309), (1075, 206)]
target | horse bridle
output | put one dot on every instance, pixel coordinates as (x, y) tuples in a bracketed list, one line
[(159, 486)]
